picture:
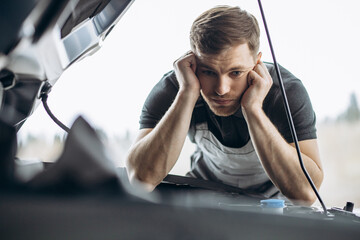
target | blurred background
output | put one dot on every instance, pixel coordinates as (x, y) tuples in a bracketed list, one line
[(318, 41)]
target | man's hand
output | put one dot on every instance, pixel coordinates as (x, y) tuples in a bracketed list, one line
[(185, 68), (259, 84)]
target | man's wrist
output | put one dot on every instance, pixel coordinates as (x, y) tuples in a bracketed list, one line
[(252, 111), (189, 94)]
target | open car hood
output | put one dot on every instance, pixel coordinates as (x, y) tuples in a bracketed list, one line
[(40, 40)]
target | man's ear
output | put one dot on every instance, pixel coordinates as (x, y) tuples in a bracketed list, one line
[(258, 58)]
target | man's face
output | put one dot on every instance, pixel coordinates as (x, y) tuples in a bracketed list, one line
[(223, 78)]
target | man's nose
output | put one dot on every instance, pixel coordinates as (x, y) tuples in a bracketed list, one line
[(223, 86)]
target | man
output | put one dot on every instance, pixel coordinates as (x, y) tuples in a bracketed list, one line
[(222, 95)]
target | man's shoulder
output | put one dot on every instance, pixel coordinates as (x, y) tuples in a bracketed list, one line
[(294, 89), (165, 89), (293, 85), (299, 103), (159, 100), (286, 75), (169, 80)]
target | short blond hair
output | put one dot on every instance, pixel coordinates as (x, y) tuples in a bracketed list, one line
[(222, 27)]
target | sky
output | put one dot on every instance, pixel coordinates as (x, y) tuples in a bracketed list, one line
[(318, 41)]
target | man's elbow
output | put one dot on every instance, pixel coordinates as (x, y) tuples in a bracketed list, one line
[(310, 195), (309, 198), (144, 182), (141, 177), (306, 197)]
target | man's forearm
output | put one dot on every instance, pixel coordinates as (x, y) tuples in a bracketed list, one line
[(152, 157), (280, 159)]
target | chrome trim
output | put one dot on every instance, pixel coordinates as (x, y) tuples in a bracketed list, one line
[(88, 37), (77, 42)]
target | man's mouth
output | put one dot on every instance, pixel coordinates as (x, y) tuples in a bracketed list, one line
[(222, 101)]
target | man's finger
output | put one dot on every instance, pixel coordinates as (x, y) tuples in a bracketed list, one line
[(261, 69), (188, 53), (251, 77), (265, 69), (263, 72)]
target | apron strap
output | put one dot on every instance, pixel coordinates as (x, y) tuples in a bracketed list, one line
[(198, 116)]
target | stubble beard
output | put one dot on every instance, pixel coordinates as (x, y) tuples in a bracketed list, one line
[(220, 111)]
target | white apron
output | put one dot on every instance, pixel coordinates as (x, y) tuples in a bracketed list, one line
[(239, 167)]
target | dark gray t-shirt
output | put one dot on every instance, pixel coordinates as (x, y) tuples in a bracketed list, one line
[(232, 131)]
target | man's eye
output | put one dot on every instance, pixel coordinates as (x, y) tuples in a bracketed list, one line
[(236, 73)]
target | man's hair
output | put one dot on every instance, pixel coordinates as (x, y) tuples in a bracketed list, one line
[(222, 27)]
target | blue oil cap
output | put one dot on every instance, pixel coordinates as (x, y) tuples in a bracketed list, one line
[(272, 203)]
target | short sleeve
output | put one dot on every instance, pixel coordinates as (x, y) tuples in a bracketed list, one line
[(158, 101), (302, 112)]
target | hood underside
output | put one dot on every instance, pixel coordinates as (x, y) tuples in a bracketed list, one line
[(40, 40)]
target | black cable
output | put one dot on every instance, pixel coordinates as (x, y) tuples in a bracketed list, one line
[(44, 97), (288, 113)]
